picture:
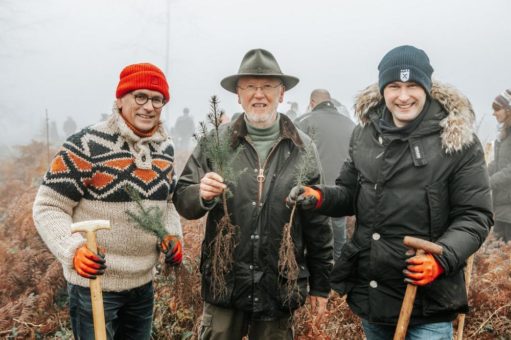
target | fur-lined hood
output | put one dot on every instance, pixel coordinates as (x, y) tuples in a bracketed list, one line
[(457, 127)]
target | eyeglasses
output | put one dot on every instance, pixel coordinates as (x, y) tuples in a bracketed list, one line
[(142, 98), (266, 88)]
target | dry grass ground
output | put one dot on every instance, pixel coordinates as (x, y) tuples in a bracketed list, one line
[(32, 289)]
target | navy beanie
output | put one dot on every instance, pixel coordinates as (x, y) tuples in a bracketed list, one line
[(405, 63)]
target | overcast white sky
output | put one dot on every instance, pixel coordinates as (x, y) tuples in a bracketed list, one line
[(65, 56)]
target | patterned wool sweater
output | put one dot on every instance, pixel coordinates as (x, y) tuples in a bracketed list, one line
[(87, 181)]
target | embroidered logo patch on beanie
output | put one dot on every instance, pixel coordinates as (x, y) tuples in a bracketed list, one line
[(405, 75)]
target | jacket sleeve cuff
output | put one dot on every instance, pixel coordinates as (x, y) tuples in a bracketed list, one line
[(442, 261), (320, 198), (319, 293), (208, 205)]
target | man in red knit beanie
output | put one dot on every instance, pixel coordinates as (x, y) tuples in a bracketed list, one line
[(88, 180), (141, 109)]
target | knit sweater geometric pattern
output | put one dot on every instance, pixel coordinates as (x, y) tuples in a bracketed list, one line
[(87, 180)]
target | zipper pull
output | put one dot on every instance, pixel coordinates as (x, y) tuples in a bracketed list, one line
[(260, 176)]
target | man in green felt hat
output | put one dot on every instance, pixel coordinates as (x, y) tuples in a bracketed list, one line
[(270, 148)]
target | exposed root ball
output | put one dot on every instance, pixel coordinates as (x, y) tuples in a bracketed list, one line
[(288, 266), (222, 256)]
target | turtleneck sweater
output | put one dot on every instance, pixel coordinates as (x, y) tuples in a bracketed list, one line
[(138, 132), (263, 138)]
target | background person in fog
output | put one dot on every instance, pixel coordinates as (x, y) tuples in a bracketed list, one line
[(331, 131), (500, 167)]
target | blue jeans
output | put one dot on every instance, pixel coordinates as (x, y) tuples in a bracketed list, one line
[(339, 230), (427, 331), (128, 314)]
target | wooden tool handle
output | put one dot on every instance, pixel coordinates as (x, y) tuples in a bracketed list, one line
[(418, 243), (98, 311), (96, 294), (406, 308)]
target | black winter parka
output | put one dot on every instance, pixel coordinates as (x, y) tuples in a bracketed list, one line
[(254, 285), (433, 185)]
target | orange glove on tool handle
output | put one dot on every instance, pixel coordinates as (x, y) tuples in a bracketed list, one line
[(88, 264), (305, 197), (173, 250), (422, 270)]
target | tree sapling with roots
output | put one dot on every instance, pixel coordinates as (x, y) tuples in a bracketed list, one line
[(220, 156), (287, 265)]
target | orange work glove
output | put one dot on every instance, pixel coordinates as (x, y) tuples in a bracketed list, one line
[(173, 250), (422, 269), (88, 264), (305, 197)]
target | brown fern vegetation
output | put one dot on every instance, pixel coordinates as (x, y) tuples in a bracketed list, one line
[(33, 301)]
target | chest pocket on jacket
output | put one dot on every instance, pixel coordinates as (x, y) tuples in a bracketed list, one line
[(438, 201)]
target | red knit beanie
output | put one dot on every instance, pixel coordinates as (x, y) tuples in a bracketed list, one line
[(142, 76)]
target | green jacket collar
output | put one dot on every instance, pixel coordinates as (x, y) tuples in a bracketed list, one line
[(287, 131)]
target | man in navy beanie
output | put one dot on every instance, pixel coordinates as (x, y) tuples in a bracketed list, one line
[(406, 64), (415, 168)]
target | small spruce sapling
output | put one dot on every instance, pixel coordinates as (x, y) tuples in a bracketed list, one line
[(287, 265), (148, 219), (220, 156)]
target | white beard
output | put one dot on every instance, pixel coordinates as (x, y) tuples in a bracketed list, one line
[(261, 120)]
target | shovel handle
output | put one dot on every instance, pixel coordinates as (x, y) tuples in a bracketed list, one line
[(406, 308), (98, 311), (96, 294), (421, 247), (418, 243)]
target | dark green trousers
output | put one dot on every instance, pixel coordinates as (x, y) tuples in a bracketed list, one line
[(230, 324)]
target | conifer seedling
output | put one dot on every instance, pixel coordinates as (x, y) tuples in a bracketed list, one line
[(148, 219), (220, 155), (287, 265)]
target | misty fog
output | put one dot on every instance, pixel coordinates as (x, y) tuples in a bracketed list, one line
[(64, 57)]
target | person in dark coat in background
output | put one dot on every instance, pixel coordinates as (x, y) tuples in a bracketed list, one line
[(416, 168), (69, 126), (184, 130), (500, 167), (292, 113), (271, 148), (331, 132)]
